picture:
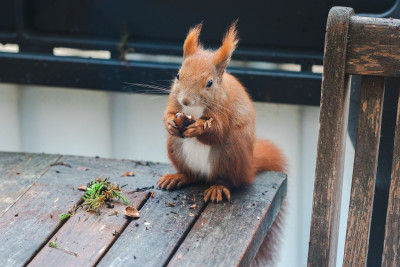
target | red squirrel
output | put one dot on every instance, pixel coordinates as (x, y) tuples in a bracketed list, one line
[(220, 147)]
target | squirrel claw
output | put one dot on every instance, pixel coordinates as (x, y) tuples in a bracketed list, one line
[(216, 192), (172, 181)]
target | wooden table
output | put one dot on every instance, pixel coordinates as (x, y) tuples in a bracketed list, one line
[(34, 192)]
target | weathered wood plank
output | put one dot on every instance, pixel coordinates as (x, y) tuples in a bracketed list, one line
[(374, 47), (152, 245), (28, 224), (391, 249), (88, 234), (152, 240), (364, 173), (18, 171), (55, 193), (250, 214), (331, 142)]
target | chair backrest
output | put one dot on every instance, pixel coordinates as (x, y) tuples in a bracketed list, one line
[(369, 47)]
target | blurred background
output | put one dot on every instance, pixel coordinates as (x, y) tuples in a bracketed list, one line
[(70, 75)]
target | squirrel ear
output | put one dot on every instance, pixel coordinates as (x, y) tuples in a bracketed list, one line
[(192, 41), (224, 53)]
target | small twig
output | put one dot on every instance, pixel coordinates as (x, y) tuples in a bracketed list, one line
[(61, 164), (141, 189), (55, 245)]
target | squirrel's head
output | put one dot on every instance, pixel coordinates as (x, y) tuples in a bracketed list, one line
[(200, 79)]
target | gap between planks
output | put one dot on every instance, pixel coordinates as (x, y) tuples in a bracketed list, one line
[(185, 234), (45, 242), (128, 221)]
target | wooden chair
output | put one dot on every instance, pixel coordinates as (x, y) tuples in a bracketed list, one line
[(369, 47)]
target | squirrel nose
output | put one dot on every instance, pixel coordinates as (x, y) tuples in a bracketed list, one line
[(185, 102)]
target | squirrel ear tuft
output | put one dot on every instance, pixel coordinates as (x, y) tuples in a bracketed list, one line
[(192, 41), (224, 53)]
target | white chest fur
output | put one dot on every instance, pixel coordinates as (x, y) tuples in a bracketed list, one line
[(195, 111), (197, 156)]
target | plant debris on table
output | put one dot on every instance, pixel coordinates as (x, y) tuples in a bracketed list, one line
[(53, 244), (60, 163), (70, 213), (99, 192), (132, 212), (65, 216), (128, 174)]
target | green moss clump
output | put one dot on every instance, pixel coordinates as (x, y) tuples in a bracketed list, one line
[(100, 191)]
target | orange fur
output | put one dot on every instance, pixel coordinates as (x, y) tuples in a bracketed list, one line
[(235, 153), (224, 53), (192, 41), (228, 148), (268, 157)]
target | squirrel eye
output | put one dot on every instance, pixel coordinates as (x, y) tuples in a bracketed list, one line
[(177, 76), (209, 83)]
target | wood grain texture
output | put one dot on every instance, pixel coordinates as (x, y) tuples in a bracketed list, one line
[(230, 234), (364, 172), (331, 142), (18, 171), (88, 234), (166, 218), (55, 193), (374, 47), (153, 244), (391, 249), (27, 225)]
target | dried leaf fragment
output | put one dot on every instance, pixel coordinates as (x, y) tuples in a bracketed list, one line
[(193, 206), (132, 212), (115, 233), (113, 213), (171, 204), (128, 174), (82, 187)]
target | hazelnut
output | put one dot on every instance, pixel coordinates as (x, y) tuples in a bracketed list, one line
[(182, 121)]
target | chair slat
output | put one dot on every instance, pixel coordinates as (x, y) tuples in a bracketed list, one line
[(364, 172), (331, 142), (374, 47), (391, 250)]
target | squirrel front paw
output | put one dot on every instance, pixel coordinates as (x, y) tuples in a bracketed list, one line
[(172, 181), (215, 192), (195, 129), (171, 127)]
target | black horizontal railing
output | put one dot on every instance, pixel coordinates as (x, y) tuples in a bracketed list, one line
[(286, 31)]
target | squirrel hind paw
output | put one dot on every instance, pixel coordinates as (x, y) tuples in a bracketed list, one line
[(216, 193)]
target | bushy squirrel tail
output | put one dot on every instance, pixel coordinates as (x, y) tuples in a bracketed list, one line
[(268, 157)]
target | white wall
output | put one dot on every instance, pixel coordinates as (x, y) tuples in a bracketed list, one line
[(67, 121), (10, 134), (118, 125)]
